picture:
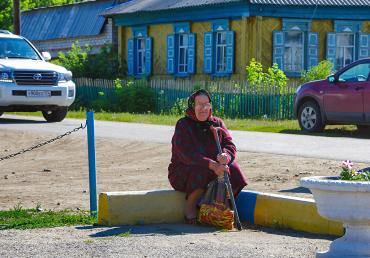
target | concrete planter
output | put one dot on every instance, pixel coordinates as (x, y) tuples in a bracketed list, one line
[(349, 203)]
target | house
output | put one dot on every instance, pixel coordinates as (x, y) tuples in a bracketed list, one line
[(55, 28), (206, 39)]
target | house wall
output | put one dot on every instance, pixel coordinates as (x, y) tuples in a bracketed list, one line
[(55, 46), (253, 39)]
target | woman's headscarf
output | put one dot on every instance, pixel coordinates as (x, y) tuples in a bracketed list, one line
[(190, 112), (202, 127)]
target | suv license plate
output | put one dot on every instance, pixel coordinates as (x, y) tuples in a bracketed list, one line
[(38, 93)]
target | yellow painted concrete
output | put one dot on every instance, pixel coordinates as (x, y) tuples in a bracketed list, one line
[(141, 207), (167, 206), (294, 213)]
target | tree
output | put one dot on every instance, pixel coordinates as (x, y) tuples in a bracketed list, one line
[(6, 9)]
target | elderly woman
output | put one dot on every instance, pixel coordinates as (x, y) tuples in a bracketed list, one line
[(195, 160)]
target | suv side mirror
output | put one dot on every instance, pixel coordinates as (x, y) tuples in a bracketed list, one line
[(46, 56), (331, 78)]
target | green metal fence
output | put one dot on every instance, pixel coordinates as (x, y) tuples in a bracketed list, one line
[(229, 99)]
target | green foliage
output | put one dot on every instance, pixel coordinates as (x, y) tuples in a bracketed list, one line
[(274, 77), (6, 15), (318, 72), (75, 60), (20, 218), (179, 107), (103, 65), (6, 9), (348, 173), (133, 97), (255, 74)]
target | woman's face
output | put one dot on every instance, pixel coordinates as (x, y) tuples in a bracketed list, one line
[(202, 107)]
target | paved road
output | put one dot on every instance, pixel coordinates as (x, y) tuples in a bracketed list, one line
[(337, 148)]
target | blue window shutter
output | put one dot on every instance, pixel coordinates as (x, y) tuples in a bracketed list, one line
[(312, 49), (208, 52), (191, 53), (278, 48), (171, 54), (148, 56), (364, 45), (230, 51), (130, 57), (331, 42)]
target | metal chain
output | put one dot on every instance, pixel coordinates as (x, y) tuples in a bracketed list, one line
[(43, 143)]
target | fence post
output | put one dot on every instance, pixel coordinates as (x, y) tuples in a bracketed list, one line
[(92, 168)]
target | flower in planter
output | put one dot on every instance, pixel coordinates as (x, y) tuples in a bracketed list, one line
[(348, 173)]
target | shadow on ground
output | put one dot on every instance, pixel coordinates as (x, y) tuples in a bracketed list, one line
[(153, 229), (20, 121), (182, 229), (336, 132), (287, 232), (299, 189)]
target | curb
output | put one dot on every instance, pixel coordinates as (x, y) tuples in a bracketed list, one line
[(167, 206)]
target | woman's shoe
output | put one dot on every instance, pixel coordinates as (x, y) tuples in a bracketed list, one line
[(191, 221)]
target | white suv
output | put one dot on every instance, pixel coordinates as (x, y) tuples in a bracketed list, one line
[(28, 83)]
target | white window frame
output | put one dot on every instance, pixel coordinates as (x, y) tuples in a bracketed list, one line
[(220, 66), (342, 49), (292, 49), (140, 69), (182, 65)]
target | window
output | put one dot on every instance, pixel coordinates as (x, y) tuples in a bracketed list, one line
[(295, 48), (293, 51), (181, 51), (219, 49), (345, 50), (358, 73), (221, 52), (347, 43), (139, 53)]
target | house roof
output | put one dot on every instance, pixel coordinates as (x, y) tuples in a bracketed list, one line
[(134, 6), (314, 2), (65, 21)]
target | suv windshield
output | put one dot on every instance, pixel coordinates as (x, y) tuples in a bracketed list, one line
[(17, 48)]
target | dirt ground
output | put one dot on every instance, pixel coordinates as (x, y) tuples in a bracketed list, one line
[(56, 176)]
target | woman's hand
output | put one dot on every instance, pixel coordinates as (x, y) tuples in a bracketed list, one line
[(223, 158), (218, 168)]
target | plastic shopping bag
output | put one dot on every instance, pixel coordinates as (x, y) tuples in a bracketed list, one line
[(215, 207)]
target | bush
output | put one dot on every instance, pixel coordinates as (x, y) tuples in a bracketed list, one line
[(179, 107), (133, 97), (318, 72), (103, 65), (273, 77), (75, 60)]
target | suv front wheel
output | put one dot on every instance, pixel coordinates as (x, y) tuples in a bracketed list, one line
[(55, 115), (309, 117)]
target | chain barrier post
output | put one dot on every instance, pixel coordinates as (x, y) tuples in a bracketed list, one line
[(92, 165)]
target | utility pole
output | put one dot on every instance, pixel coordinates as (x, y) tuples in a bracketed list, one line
[(17, 17)]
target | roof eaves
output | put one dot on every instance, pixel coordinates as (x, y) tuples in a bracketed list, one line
[(108, 12)]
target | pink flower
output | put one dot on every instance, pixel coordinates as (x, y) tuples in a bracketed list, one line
[(347, 164)]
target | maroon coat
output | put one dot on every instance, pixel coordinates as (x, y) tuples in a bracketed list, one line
[(193, 146)]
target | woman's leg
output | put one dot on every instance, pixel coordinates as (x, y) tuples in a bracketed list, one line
[(191, 203)]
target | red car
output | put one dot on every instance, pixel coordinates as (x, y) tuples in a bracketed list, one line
[(343, 98)]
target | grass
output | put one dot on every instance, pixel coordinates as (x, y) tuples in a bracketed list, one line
[(20, 218), (253, 125), (124, 234)]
